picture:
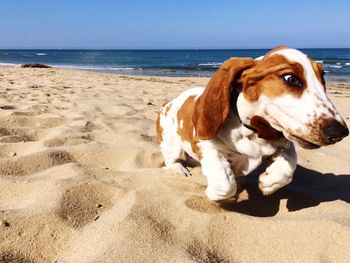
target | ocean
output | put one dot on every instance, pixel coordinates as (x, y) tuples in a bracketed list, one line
[(166, 62)]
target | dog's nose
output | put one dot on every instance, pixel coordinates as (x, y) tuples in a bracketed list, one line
[(335, 131)]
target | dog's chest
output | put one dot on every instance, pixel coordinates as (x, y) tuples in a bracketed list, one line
[(246, 154), (236, 138), (243, 149)]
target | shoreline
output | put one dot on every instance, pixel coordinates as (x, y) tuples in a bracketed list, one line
[(164, 71), (338, 84)]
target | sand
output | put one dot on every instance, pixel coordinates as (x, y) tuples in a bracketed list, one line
[(80, 181)]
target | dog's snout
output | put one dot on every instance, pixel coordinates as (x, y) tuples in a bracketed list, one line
[(334, 131)]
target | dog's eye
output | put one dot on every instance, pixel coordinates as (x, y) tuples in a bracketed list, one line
[(292, 80)]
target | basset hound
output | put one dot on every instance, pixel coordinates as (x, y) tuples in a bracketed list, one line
[(250, 109)]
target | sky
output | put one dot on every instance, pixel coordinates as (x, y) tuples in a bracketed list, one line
[(177, 24)]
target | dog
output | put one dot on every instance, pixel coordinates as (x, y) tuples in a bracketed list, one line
[(251, 109)]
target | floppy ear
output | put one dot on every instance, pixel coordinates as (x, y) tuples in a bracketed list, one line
[(213, 106)]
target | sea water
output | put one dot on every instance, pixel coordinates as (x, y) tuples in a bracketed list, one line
[(166, 62)]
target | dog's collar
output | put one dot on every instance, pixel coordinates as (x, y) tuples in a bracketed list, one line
[(246, 125), (257, 124), (234, 108)]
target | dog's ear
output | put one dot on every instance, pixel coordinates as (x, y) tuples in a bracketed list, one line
[(213, 106)]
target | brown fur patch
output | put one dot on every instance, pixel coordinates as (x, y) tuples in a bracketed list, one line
[(266, 78), (159, 130), (184, 116)]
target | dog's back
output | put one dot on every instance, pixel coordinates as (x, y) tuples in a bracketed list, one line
[(175, 131)]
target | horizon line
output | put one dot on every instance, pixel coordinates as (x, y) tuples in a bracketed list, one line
[(160, 49)]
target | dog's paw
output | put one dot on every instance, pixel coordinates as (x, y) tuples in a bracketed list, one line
[(178, 168), (270, 182), (221, 193)]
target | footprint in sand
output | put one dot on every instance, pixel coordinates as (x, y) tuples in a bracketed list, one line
[(60, 141), (14, 256), (40, 108), (15, 139), (182, 184), (4, 132), (148, 138), (20, 134), (33, 163), (199, 252), (153, 224), (89, 127), (150, 158), (202, 204), (23, 121), (82, 204), (7, 107), (24, 113)]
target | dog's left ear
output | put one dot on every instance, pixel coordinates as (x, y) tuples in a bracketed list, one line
[(213, 106)]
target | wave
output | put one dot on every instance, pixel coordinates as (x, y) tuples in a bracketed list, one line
[(93, 67), (319, 61), (333, 66), (118, 69), (210, 64), (41, 54), (8, 64), (347, 64)]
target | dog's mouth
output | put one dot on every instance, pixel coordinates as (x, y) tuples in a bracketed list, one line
[(273, 130), (302, 142)]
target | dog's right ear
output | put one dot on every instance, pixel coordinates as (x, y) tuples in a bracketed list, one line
[(213, 106)]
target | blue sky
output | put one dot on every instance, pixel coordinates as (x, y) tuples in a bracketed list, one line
[(136, 24)]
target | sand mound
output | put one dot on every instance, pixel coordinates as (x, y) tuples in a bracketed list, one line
[(80, 181)]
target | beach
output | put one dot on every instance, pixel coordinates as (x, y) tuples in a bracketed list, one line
[(81, 181)]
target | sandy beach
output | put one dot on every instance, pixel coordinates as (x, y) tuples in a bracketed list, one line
[(80, 181)]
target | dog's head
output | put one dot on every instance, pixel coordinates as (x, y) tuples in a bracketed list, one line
[(283, 91)]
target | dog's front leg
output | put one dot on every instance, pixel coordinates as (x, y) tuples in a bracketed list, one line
[(280, 172), (220, 178)]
